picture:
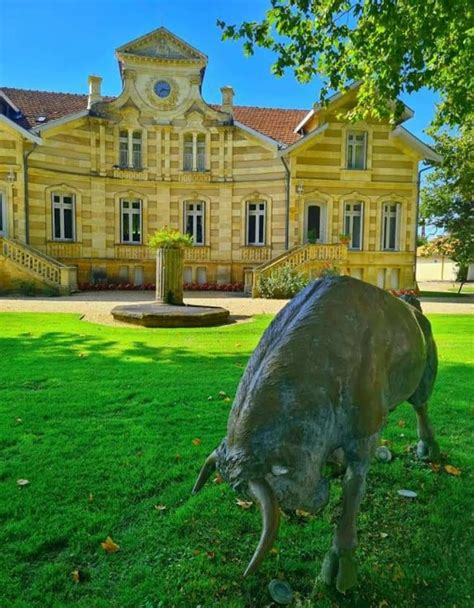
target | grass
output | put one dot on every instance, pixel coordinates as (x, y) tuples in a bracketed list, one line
[(108, 423), (446, 294)]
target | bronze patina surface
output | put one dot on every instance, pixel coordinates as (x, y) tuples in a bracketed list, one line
[(328, 370)]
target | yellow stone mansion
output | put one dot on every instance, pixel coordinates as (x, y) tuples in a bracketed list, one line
[(85, 179)]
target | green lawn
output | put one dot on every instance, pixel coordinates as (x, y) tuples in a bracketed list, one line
[(107, 424)]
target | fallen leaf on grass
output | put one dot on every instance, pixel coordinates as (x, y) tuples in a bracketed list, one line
[(76, 577), (402, 424), (210, 398), (210, 554), (304, 514), (244, 504), (222, 394), (227, 399), (22, 482), (196, 441), (218, 479), (434, 467), (452, 470), (178, 457), (19, 421), (109, 546), (90, 497), (82, 355), (161, 507), (383, 535)]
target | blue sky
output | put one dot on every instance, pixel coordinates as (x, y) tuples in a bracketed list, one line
[(54, 45)]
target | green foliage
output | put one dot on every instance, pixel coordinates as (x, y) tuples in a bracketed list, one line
[(101, 421), (447, 199), (282, 284), (167, 238), (312, 236), (32, 289), (391, 47), (329, 270)]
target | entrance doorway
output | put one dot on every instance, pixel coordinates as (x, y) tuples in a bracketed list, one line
[(315, 223)]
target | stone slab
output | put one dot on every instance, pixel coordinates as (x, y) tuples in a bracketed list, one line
[(163, 315)]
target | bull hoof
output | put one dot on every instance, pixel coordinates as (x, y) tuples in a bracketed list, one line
[(339, 570), (424, 451)]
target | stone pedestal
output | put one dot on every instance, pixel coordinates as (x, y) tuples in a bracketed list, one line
[(169, 276)]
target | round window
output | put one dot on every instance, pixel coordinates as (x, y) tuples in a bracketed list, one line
[(162, 88)]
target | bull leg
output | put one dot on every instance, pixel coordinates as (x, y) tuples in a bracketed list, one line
[(427, 447), (339, 565)]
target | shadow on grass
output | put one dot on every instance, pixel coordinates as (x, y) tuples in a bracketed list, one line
[(128, 423)]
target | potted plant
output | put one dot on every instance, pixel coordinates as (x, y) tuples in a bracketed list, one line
[(169, 245), (345, 239)]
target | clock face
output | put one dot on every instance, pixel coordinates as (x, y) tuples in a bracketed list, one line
[(162, 88)]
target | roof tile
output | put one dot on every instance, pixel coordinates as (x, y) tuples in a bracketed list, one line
[(276, 123)]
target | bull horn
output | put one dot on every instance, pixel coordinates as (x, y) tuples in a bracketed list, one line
[(208, 467), (270, 520)]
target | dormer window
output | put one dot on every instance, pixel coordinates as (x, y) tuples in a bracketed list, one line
[(356, 150), (130, 149), (194, 152)]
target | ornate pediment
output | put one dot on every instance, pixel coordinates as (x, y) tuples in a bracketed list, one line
[(161, 46)]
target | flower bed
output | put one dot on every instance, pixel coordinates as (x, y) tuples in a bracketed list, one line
[(236, 287), (404, 292)]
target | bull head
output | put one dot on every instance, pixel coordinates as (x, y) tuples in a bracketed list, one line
[(268, 502)]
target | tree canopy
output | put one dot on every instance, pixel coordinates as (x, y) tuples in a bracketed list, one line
[(391, 46), (448, 198)]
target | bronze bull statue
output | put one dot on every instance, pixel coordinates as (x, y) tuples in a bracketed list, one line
[(323, 379)]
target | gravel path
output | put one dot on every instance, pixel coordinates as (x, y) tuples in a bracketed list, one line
[(96, 306)]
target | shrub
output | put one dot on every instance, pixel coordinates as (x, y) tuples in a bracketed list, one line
[(282, 283), (329, 270), (167, 238), (32, 289)]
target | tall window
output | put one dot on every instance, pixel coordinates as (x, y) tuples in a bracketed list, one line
[(130, 149), (194, 221), (356, 150), (256, 223), (188, 155), (131, 221), (353, 214), (63, 217), (194, 152), (390, 226), (3, 217)]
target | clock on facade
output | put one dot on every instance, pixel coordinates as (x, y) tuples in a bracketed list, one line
[(162, 88)]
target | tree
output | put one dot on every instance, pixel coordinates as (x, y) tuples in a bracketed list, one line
[(390, 46), (447, 200)]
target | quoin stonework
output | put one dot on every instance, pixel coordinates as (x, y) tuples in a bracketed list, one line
[(84, 179)]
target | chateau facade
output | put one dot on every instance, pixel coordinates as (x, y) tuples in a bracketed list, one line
[(85, 179)]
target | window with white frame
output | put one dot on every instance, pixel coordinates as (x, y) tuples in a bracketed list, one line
[(353, 220), (194, 152), (390, 226), (194, 221), (256, 223), (63, 217), (130, 149), (356, 150), (131, 221)]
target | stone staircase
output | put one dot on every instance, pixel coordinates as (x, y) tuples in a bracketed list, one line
[(21, 262), (309, 259)]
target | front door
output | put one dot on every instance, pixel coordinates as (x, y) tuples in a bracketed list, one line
[(315, 223), (3, 215)]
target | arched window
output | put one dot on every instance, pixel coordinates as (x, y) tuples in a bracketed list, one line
[(194, 220)]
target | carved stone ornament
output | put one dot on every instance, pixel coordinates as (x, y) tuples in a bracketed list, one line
[(164, 103)]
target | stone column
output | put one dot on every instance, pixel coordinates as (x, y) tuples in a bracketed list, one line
[(169, 276)]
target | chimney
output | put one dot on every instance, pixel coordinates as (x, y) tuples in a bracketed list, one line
[(94, 90), (227, 99)]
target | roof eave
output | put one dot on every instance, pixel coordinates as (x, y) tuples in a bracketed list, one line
[(21, 130), (268, 140), (304, 140), (60, 121), (411, 140)]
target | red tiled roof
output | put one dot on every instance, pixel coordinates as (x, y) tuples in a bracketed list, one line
[(276, 123)]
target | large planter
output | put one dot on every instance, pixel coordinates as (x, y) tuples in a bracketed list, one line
[(169, 276)]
